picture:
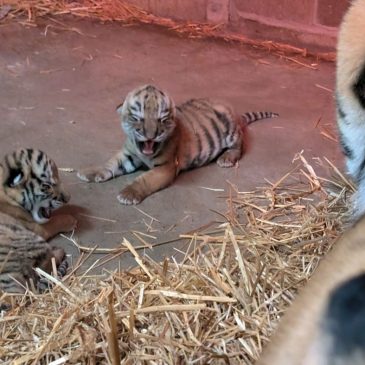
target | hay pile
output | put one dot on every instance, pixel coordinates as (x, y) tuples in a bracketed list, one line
[(218, 305), (29, 11)]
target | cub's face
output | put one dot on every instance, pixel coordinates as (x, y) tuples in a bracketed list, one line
[(148, 118), (29, 179)]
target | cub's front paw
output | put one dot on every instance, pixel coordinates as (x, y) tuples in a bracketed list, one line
[(130, 195), (94, 174), (65, 223)]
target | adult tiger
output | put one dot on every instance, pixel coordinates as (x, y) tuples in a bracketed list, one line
[(325, 324), (169, 139), (350, 97)]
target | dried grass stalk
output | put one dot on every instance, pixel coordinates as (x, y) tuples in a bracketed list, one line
[(218, 306)]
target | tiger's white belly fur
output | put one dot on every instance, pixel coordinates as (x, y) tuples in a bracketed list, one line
[(352, 130)]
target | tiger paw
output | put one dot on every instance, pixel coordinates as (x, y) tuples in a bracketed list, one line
[(129, 196), (93, 174), (228, 159)]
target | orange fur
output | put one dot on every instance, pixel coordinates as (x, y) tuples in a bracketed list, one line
[(299, 339)]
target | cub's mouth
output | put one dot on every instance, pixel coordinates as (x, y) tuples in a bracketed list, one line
[(148, 147), (41, 215), (44, 213)]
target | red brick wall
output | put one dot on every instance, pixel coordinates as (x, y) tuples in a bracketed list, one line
[(330, 12), (296, 21), (310, 12)]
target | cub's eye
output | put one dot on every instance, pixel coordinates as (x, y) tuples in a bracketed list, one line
[(15, 179), (134, 118), (163, 120), (46, 187)]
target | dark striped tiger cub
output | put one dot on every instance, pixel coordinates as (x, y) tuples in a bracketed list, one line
[(30, 190), (169, 139)]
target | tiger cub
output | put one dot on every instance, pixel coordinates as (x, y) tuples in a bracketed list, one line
[(169, 139), (30, 190), (350, 97), (325, 323)]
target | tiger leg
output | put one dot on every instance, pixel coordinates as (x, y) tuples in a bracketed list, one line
[(57, 224), (120, 164), (46, 265), (147, 184), (234, 150)]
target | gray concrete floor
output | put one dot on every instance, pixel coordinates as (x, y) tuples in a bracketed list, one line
[(59, 89)]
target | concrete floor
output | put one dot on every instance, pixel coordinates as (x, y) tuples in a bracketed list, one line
[(59, 89)]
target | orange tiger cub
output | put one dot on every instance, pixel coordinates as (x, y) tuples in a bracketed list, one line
[(30, 190), (168, 139)]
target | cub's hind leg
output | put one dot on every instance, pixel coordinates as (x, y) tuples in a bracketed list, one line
[(234, 150), (120, 164), (45, 264)]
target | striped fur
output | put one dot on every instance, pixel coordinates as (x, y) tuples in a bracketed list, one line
[(30, 189), (325, 324), (350, 97), (169, 139), (251, 117)]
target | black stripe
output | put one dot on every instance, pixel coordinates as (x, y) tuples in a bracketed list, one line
[(35, 177), (196, 162), (211, 143), (361, 168), (130, 159), (29, 154), (40, 157), (217, 132), (23, 199), (359, 87), (21, 155), (138, 104), (139, 92), (12, 227), (30, 193), (121, 167), (223, 118), (345, 148), (188, 117), (340, 111), (133, 109)]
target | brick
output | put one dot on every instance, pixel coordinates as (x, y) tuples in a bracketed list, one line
[(193, 10), (330, 12), (142, 4), (218, 11), (301, 11)]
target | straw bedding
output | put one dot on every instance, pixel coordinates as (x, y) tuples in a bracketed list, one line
[(218, 305)]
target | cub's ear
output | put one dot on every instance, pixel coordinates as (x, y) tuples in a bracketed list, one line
[(119, 108), (15, 178)]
